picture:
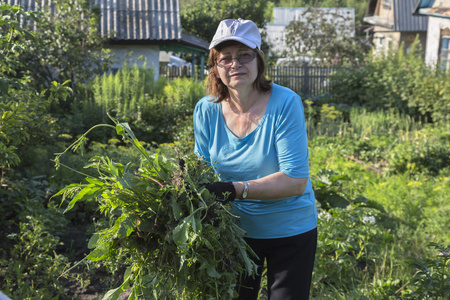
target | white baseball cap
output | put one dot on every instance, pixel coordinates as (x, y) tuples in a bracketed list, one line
[(243, 31)]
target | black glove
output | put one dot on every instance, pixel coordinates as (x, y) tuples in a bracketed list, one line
[(224, 191)]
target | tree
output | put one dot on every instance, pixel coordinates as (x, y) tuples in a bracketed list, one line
[(67, 45), (23, 109), (327, 36), (360, 6), (201, 17)]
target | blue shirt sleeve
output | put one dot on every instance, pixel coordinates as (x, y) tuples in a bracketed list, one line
[(201, 131), (291, 140)]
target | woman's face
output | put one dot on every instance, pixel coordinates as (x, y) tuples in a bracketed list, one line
[(237, 66)]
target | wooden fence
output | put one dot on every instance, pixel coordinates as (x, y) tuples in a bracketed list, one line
[(173, 72), (304, 80)]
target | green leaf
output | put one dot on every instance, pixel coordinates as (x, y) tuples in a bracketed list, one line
[(208, 244), (126, 227), (128, 272), (181, 232), (89, 192), (249, 264), (127, 181), (98, 254), (212, 272), (177, 212), (114, 293), (6, 115), (120, 130), (93, 240), (4, 87), (94, 181)]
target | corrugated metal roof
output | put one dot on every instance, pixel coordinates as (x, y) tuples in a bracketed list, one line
[(140, 19), (129, 20), (404, 20)]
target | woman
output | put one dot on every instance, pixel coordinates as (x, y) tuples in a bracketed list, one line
[(253, 132)]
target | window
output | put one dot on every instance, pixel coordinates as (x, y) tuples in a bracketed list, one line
[(379, 44), (444, 53), (388, 46)]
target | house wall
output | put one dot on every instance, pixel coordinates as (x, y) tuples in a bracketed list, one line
[(408, 38), (136, 54), (276, 36), (385, 10), (385, 40), (435, 25)]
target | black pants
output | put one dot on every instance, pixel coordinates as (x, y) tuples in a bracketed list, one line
[(290, 263)]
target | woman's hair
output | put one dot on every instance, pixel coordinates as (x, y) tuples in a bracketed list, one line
[(218, 90)]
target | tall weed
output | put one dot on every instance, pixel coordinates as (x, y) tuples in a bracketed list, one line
[(127, 90), (155, 110)]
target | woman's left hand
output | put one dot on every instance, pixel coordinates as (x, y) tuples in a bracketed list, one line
[(224, 192)]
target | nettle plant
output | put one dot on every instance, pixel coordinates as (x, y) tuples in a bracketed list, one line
[(431, 280), (349, 240), (175, 240)]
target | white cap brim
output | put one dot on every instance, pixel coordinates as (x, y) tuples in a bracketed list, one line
[(233, 38)]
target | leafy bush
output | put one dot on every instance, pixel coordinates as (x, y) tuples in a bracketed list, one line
[(413, 158), (67, 46), (400, 80), (126, 91), (324, 118), (24, 110), (29, 241), (333, 190), (183, 143)]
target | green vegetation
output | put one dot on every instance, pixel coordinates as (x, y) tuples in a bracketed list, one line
[(360, 6), (395, 205), (330, 41), (67, 45), (401, 81), (380, 166), (198, 13)]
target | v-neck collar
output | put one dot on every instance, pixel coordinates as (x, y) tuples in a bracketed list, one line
[(231, 133)]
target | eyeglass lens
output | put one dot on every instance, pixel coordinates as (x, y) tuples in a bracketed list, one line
[(242, 59)]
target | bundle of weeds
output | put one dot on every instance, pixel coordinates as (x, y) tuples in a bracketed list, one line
[(175, 239)]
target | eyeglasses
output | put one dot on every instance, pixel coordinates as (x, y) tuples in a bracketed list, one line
[(243, 58)]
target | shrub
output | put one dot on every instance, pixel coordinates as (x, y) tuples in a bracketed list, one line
[(400, 81), (30, 262), (24, 109)]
